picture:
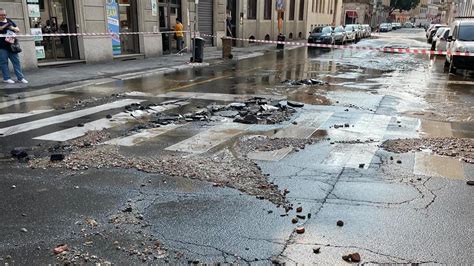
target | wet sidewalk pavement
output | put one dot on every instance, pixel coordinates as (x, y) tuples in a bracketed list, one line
[(79, 75)]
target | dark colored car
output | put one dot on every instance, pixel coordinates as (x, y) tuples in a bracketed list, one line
[(323, 35), (339, 35)]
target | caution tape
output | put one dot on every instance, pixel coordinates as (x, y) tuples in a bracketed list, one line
[(317, 45), (356, 47), (90, 34)]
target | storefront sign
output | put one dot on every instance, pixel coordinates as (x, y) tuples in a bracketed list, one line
[(113, 26), (154, 8), (34, 11), (33, 1), (40, 54), (37, 32)]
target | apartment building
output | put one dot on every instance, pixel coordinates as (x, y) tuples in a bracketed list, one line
[(115, 16), (259, 19)]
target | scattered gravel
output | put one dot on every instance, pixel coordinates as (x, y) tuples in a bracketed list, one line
[(247, 144), (222, 168), (462, 148)]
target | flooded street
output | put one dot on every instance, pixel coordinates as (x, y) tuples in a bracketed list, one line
[(255, 161)]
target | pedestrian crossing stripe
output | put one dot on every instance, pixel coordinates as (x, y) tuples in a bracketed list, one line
[(14, 116), (16, 129), (104, 123)]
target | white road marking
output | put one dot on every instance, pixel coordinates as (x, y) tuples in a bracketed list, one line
[(272, 156), (13, 116), (307, 124), (63, 118), (143, 136), (104, 123), (30, 99), (210, 138)]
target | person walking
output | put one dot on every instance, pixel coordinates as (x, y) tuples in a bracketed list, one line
[(7, 26), (179, 35)]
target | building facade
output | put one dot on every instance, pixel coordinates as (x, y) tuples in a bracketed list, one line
[(357, 12), (380, 12), (150, 17), (260, 19)]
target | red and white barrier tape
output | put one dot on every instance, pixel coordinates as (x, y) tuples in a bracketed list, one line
[(90, 34), (355, 47)]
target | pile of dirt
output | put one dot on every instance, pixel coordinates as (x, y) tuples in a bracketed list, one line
[(462, 148)]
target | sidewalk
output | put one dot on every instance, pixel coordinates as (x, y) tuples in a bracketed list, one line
[(50, 79)]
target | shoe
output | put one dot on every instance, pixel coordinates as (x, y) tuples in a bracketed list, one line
[(9, 81), (24, 81)]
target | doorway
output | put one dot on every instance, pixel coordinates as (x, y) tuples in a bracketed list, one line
[(128, 19), (55, 16), (168, 12)]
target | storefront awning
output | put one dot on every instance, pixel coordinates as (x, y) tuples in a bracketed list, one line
[(351, 14)]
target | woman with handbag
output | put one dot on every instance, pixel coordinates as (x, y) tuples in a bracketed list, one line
[(9, 49)]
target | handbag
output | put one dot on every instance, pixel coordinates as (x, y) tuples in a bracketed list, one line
[(15, 47)]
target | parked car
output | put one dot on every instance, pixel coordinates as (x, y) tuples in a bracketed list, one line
[(350, 33), (367, 30), (322, 35), (432, 30), (408, 25), (442, 40), (396, 25), (339, 34), (461, 39), (385, 27), (436, 36), (357, 30)]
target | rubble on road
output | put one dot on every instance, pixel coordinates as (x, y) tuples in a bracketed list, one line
[(308, 82), (248, 144), (222, 168), (462, 148)]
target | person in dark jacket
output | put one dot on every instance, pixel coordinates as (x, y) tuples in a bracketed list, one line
[(6, 53)]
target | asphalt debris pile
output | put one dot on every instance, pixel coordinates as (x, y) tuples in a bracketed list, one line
[(256, 110), (462, 148), (308, 82), (223, 168), (248, 144)]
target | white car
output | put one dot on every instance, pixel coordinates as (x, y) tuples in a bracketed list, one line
[(461, 39), (441, 41), (350, 33), (438, 33)]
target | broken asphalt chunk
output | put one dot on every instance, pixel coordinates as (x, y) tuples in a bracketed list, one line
[(317, 250), (56, 157), (470, 183), (300, 230), (295, 104), (340, 223), (19, 153), (299, 209)]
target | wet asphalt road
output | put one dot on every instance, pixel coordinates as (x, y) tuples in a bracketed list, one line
[(392, 212)]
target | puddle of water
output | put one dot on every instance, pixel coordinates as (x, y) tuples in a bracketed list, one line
[(438, 166), (433, 129)]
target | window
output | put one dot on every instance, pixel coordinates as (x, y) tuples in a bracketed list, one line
[(292, 10), (301, 15), (267, 10), (252, 9)]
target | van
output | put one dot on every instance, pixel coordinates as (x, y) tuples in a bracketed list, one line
[(461, 39)]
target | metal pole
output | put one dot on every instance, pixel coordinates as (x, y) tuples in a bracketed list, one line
[(194, 30)]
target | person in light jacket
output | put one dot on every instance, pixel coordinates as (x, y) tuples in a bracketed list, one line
[(6, 53)]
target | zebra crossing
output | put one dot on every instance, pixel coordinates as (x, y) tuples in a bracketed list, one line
[(364, 126)]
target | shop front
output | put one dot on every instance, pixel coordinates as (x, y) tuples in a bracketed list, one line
[(51, 17), (122, 18), (169, 11)]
